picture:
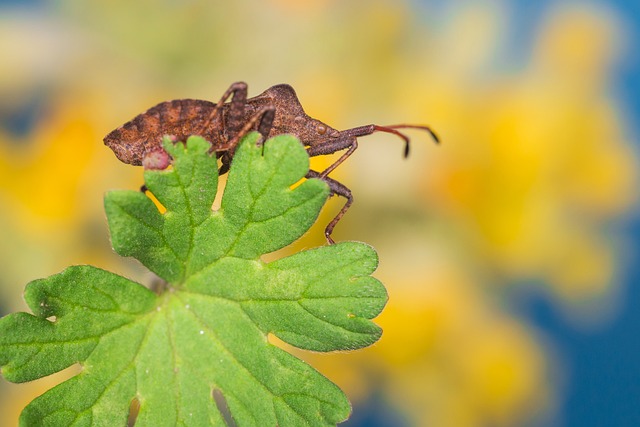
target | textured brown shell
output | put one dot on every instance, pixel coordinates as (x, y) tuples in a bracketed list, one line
[(179, 118), (184, 117)]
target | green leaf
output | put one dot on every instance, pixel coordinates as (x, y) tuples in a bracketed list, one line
[(208, 329)]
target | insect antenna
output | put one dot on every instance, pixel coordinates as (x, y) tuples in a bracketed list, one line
[(392, 129), (369, 129)]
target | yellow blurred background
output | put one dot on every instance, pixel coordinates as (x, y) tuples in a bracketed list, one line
[(522, 206)]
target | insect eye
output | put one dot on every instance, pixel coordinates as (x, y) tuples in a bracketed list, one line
[(321, 129)]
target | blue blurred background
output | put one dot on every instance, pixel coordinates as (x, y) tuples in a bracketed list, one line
[(509, 251)]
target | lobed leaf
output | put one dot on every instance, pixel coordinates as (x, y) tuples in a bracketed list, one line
[(208, 330)]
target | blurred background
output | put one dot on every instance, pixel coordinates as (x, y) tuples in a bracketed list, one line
[(509, 251)]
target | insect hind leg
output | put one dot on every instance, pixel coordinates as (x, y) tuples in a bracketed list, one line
[(264, 120), (236, 111)]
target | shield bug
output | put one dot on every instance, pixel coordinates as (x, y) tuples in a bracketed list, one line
[(275, 111)]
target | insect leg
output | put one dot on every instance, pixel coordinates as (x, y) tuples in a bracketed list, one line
[(239, 91), (265, 117), (331, 146), (339, 189)]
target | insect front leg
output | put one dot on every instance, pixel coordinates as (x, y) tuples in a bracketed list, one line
[(331, 146), (339, 189)]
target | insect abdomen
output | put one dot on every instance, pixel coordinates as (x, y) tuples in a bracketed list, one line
[(179, 118)]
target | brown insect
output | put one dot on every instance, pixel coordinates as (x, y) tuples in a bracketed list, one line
[(276, 111)]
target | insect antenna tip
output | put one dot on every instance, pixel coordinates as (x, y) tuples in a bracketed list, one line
[(434, 136)]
